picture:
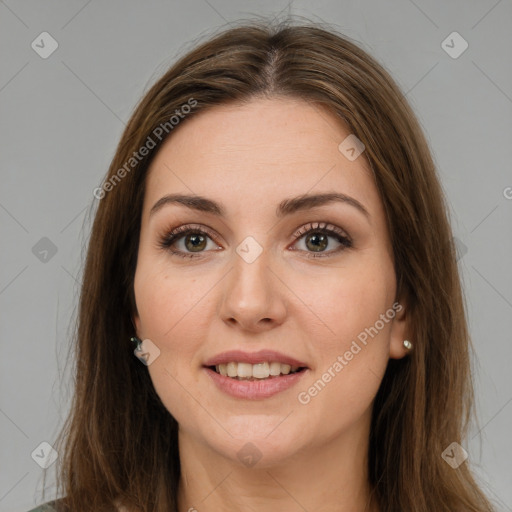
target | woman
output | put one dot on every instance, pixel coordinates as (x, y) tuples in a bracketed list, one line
[(273, 239)]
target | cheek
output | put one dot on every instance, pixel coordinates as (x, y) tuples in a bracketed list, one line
[(351, 338), (344, 302), (164, 298), (174, 313), (171, 316)]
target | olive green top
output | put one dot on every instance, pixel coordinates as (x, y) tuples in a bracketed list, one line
[(54, 506), (49, 506)]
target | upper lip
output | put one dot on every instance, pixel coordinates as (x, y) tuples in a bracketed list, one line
[(240, 356)]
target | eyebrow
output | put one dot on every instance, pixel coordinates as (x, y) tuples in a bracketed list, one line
[(286, 207)]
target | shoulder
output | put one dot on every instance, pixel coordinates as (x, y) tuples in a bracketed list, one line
[(58, 506), (49, 506)]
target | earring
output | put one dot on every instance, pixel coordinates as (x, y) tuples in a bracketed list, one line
[(146, 351), (407, 344), (136, 343)]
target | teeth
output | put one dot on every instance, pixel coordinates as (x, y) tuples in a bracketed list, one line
[(244, 370), (232, 369), (257, 371), (260, 371), (275, 368)]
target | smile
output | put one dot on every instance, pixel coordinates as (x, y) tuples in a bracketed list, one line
[(254, 388), (263, 370)]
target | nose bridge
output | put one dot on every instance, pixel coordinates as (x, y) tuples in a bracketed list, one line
[(252, 297)]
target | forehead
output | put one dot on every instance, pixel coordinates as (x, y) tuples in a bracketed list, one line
[(239, 154)]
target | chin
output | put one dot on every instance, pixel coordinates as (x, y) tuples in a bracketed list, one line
[(266, 448)]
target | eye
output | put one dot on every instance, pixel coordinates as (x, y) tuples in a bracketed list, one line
[(195, 240), (316, 239)]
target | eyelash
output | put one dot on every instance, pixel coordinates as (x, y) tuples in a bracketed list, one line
[(317, 227)]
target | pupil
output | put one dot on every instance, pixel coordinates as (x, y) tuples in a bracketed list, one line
[(318, 240), (197, 241)]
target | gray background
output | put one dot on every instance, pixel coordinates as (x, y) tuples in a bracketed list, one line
[(61, 118)]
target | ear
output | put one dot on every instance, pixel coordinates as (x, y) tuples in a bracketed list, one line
[(399, 331), (136, 323)]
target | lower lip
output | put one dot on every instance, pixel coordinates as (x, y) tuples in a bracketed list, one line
[(254, 389)]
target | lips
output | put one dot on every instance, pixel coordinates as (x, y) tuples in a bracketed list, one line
[(261, 356), (255, 389)]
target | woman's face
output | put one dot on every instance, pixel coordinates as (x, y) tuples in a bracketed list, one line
[(259, 272)]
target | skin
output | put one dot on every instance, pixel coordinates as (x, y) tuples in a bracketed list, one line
[(249, 158)]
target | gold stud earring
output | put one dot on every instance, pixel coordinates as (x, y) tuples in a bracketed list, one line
[(407, 344)]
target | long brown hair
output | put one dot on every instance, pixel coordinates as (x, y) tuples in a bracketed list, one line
[(119, 441)]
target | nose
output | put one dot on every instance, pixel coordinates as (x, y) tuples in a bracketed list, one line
[(253, 296)]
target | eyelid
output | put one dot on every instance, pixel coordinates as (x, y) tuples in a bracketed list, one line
[(326, 226)]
